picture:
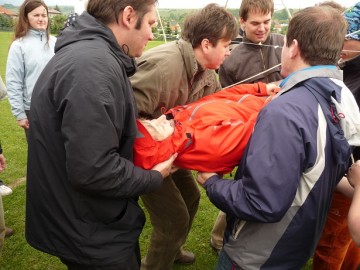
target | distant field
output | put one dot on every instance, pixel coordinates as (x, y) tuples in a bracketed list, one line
[(153, 44), (5, 40)]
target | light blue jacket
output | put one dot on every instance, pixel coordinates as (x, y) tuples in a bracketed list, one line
[(26, 59)]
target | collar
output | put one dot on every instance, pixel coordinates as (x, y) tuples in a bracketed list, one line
[(328, 71), (40, 33), (191, 64)]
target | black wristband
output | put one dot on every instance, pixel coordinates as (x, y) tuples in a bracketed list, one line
[(1, 151)]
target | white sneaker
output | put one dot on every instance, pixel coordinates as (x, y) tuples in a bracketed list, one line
[(4, 190)]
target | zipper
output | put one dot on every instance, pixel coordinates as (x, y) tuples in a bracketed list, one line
[(263, 62)]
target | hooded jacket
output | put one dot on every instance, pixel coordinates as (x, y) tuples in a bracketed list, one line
[(248, 59), (210, 134), (26, 59), (82, 187), (277, 207)]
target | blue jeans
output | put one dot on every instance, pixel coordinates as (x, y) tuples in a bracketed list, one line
[(224, 262)]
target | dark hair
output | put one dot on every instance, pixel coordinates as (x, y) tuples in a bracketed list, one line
[(107, 11), (213, 23), (23, 25), (320, 32), (263, 6)]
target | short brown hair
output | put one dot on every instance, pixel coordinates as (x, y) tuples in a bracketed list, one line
[(213, 23), (332, 4), (107, 11), (263, 6), (23, 25), (320, 33)]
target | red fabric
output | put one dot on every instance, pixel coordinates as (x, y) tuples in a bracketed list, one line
[(210, 135), (336, 250)]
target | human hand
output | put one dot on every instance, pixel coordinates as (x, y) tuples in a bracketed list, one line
[(202, 177), (24, 123), (353, 174), (2, 163), (272, 88), (166, 167), (174, 168)]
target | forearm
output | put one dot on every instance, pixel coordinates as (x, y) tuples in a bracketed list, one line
[(345, 188), (354, 216)]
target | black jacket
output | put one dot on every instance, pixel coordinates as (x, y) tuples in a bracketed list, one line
[(248, 59), (82, 186), (351, 69)]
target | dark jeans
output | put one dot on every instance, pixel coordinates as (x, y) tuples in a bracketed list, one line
[(225, 263)]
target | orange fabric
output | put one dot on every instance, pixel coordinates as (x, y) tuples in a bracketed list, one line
[(210, 134), (335, 249)]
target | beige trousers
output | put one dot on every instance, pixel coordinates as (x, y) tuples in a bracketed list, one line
[(218, 230)]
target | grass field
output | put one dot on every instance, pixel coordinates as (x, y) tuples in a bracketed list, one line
[(17, 254)]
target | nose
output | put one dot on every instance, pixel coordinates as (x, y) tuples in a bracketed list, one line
[(261, 27), (151, 37)]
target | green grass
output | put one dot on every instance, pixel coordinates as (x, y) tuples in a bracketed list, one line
[(17, 254)]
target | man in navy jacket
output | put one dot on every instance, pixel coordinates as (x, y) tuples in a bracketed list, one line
[(298, 153)]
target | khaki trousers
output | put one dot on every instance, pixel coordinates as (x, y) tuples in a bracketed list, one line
[(172, 210), (217, 233)]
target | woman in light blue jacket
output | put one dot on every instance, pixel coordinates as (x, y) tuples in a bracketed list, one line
[(29, 53)]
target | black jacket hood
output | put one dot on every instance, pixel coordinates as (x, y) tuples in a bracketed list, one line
[(86, 27)]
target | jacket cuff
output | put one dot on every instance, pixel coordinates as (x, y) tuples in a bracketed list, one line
[(21, 116), (262, 89)]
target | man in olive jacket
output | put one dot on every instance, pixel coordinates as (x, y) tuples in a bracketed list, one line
[(169, 75)]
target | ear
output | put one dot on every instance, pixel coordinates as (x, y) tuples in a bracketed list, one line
[(294, 49), (128, 16), (242, 23), (206, 45)]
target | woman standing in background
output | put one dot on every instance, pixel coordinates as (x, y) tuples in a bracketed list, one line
[(29, 53)]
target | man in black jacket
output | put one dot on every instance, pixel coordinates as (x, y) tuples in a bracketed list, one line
[(258, 55), (82, 186)]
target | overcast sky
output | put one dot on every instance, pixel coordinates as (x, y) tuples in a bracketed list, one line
[(201, 3)]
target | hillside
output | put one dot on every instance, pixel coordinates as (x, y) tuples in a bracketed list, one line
[(177, 15)]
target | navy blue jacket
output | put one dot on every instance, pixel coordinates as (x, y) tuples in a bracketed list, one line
[(278, 204)]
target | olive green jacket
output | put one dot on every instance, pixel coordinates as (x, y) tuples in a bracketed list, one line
[(169, 75)]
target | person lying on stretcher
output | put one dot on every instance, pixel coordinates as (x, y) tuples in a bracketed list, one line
[(209, 135)]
